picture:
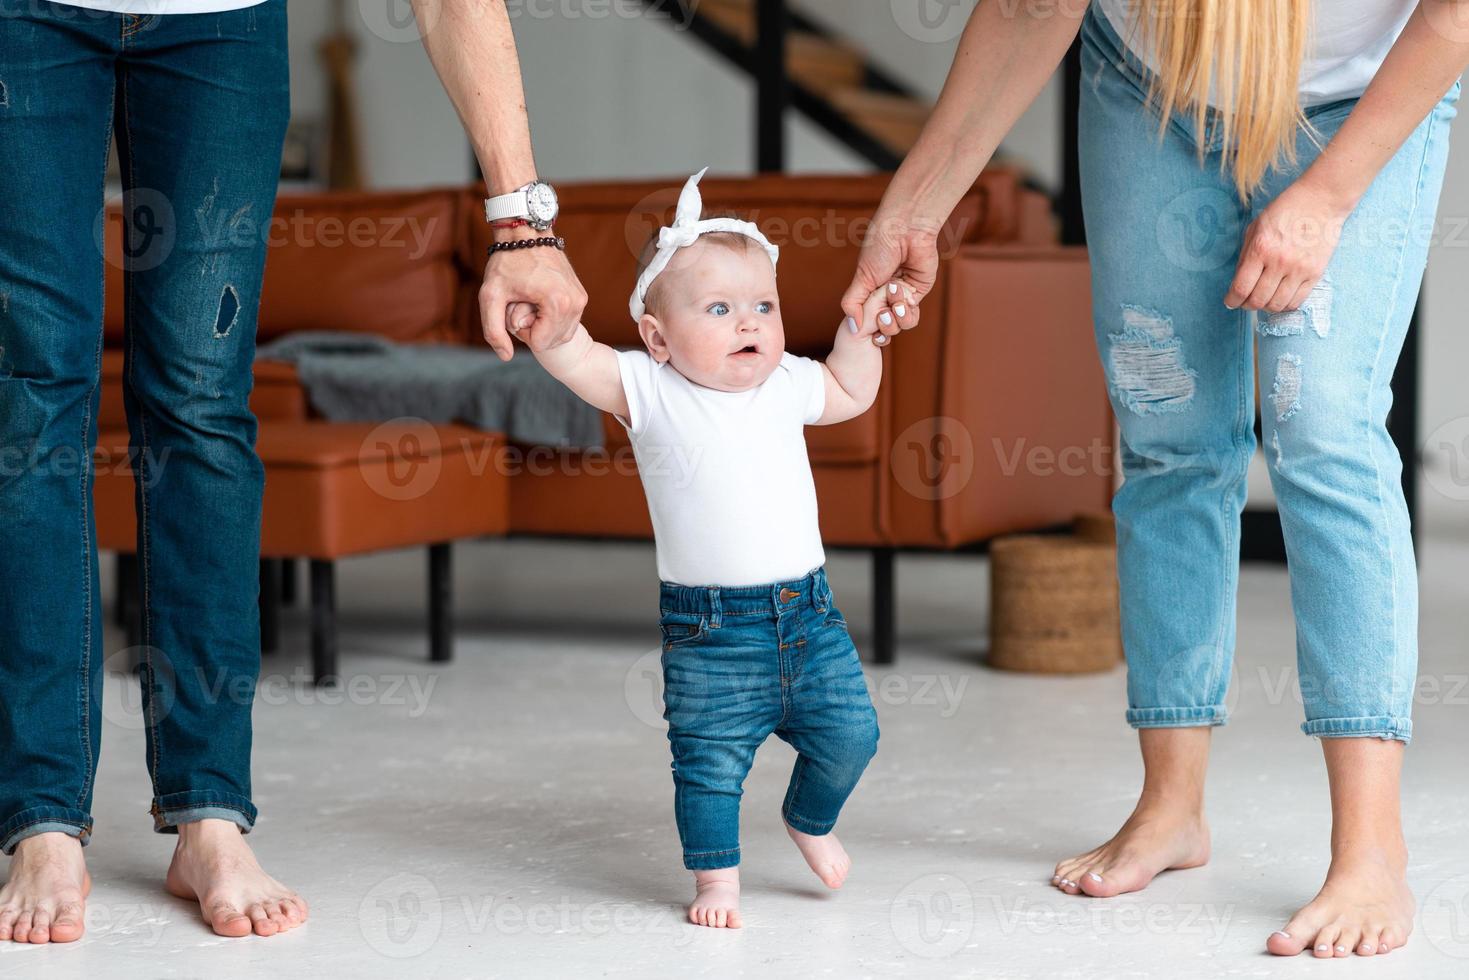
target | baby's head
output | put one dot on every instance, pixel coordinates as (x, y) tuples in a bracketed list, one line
[(713, 312), (710, 309)]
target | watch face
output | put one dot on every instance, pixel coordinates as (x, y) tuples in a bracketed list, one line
[(541, 202)]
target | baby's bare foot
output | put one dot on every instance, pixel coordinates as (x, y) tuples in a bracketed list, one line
[(215, 867), (44, 899), (1157, 837), (825, 855), (1365, 908), (716, 899)]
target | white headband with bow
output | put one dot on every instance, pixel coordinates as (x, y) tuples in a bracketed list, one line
[(685, 231)]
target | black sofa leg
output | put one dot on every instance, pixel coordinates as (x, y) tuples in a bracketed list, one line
[(884, 622), (440, 603), (289, 587), (323, 622), (270, 605), (130, 604), (126, 570)]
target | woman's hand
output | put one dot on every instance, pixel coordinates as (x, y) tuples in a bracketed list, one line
[(894, 254), (1286, 249)]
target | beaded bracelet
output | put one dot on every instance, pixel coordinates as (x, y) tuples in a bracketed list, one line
[(557, 243)]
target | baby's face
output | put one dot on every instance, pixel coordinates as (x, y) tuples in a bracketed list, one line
[(719, 317)]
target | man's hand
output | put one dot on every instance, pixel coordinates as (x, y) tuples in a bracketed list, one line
[(546, 297)]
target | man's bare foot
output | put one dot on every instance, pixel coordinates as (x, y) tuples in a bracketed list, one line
[(44, 899), (716, 899), (1365, 908), (825, 855), (215, 867), (1167, 829)]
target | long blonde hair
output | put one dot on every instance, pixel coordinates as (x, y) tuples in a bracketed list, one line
[(1250, 53)]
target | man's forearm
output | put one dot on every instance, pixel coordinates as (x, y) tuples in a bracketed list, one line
[(473, 50)]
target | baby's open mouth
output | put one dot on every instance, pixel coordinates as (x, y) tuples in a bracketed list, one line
[(748, 349)]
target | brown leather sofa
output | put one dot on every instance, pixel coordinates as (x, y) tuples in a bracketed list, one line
[(990, 418)]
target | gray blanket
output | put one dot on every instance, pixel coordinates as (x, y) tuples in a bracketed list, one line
[(365, 378)]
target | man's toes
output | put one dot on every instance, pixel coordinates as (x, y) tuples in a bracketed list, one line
[(41, 926), (69, 924), (293, 911), (260, 920), (277, 916), (226, 920), (22, 931)]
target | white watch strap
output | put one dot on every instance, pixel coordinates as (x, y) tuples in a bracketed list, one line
[(512, 205)]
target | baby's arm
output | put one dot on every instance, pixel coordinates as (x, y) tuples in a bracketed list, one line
[(853, 370), (588, 368)]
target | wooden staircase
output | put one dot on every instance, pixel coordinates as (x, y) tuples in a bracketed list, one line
[(830, 80)]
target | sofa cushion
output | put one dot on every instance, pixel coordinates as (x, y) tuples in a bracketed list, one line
[(338, 489)]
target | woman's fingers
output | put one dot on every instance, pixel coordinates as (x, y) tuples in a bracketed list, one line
[(902, 304), (1284, 296)]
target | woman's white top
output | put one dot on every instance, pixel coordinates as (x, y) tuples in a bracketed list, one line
[(1348, 42), (162, 6)]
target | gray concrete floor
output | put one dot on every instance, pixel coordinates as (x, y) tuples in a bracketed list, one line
[(510, 814)]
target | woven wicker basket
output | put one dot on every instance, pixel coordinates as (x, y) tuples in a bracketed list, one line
[(1053, 604)]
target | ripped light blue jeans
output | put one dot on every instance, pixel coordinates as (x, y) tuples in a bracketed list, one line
[(1164, 231)]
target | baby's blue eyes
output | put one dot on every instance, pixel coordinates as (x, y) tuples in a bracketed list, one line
[(722, 309)]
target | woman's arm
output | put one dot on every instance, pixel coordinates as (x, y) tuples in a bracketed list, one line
[(1287, 248), (1008, 52)]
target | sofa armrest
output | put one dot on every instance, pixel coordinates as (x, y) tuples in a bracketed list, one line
[(1002, 421)]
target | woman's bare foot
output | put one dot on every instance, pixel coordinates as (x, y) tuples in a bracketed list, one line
[(1167, 829), (215, 867), (1365, 908), (825, 855), (44, 899), (716, 899)]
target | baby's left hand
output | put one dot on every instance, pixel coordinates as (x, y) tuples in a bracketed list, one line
[(888, 310)]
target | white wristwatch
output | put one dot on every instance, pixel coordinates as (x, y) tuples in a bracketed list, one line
[(535, 202)]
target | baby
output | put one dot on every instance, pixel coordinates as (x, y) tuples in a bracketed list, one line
[(752, 641)]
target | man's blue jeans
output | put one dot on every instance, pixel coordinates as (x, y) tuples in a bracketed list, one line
[(738, 665), (1164, 232), (198, 104)]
